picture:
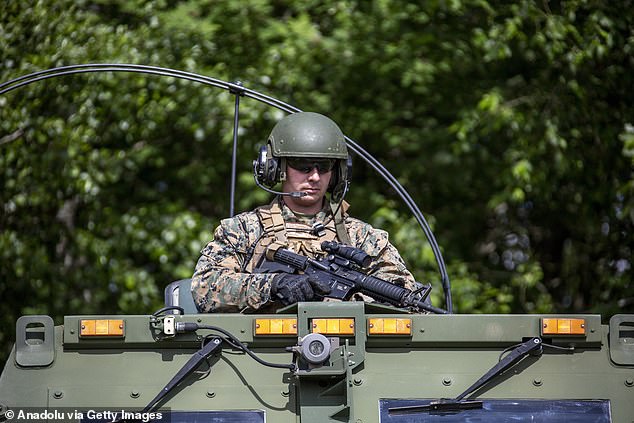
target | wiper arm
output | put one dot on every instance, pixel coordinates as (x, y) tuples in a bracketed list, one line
[(533, 345), (528, 347), (192, 364)]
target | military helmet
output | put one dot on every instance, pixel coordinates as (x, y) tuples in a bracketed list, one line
[(304, 135), (308, 134)]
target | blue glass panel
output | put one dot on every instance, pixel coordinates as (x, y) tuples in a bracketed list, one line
[(502, 411)]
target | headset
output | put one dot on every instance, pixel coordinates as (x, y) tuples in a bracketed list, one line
[(269, 170)]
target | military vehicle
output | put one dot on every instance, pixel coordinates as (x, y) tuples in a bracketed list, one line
[(316, 361)]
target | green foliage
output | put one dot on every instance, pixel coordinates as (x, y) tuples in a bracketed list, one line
[(510, 124)]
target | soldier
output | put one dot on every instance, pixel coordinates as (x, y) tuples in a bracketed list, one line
[(307, 153)]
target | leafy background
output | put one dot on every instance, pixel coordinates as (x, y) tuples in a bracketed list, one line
[(510, 123)]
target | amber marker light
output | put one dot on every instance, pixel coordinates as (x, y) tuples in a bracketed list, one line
[(101, 327), (333, 326), (389, 326), (563, 326), (275, 326)]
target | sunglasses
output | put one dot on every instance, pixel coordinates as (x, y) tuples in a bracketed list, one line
[(307, 165)]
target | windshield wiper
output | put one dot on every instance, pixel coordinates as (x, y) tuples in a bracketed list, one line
[(192, 364), (532, 346)]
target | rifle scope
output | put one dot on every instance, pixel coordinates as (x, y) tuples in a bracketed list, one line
[(356, 255)]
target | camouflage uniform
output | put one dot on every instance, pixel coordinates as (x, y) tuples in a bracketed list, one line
[(223, 280)]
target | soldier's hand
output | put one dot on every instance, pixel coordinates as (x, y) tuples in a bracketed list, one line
[(290, 289)]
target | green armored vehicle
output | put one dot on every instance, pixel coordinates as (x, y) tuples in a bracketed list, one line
[(319, 361)]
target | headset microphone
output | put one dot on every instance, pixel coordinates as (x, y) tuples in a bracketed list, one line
[(294, 194)]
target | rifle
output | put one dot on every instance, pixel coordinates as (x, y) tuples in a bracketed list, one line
[(340, 268)]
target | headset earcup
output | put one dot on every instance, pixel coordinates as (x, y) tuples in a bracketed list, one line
[(267, 167)]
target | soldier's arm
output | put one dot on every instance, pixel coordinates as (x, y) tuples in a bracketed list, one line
[(218, 283)]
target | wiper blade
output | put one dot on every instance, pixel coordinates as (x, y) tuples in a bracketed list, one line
[(443, 405), (533, 345)]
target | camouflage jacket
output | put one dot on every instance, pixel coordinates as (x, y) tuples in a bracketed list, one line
[(222, 283)]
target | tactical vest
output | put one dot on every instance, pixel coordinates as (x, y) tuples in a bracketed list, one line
[(298, 237)]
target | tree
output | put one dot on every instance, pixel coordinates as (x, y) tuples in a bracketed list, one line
[(510, 124)]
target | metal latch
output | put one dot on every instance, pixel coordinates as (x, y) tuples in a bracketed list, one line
[(35, 341), (622, 339)]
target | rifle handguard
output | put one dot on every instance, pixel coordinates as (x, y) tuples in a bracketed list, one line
[(288, 257), (388, 291)]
